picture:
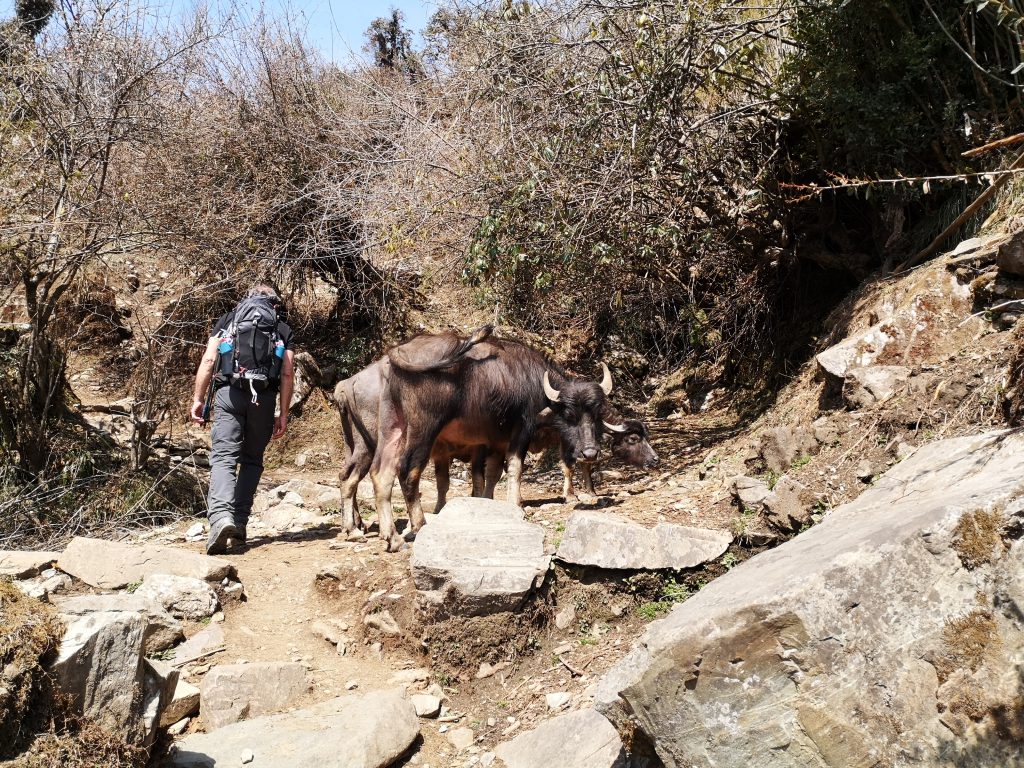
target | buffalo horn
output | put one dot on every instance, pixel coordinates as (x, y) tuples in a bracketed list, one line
[(615, 427), (551, 393), (606, 380)]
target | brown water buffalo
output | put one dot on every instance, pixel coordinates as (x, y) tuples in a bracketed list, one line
[(492, 392), (630, 444)]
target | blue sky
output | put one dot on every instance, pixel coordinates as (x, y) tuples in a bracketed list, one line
[(336, 27)]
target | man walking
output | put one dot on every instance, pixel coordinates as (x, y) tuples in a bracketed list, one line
[(248, 359)]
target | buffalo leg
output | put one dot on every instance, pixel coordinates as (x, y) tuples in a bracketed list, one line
[(410, 469), (479, 469), (442, 476), (355, 469), (568, 492), (493, 468), (383, 470), (587, 473)]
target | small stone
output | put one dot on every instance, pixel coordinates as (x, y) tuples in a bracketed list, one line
[(247, 756), (426, 705), (179, 727), (563, 648), (384, 622), (195, 532), (491, 722), (487, 670), (487, 759), (461, 738), (565, 617), (218, 617), (556, 701), (408, 676), (351, 685)]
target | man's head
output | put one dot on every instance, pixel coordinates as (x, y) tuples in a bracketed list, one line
[(262, 290)]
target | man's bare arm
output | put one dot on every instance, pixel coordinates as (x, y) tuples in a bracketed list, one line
[(203, 377), (287, 386)]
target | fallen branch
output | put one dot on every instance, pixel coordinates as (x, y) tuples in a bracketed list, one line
[(1017, 138), (962, 219), (575, 672), (990, 309)]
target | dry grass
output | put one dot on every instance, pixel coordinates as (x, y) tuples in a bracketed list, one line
[(977, 537), (966, 643), (84, 745), (29, 631)]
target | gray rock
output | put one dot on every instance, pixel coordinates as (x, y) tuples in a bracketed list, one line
[(285, 516), (461, 738), (182, 596), (478, 556), (312, 494), (426, 705), (864, 387), (234, 692), (581, 739), (162, 630), (557, 700), (161, 679), (115, 565), (383, 622), (788, 506), (1010, 256), (608, 541), (844, 645), (201, 642), (99, 665), (750, 491), (20, 564), (858, 351), (369, 731), (183, 702), (42, 587), (781, 446)]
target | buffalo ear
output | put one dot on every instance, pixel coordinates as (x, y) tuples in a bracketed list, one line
[(544, 417)]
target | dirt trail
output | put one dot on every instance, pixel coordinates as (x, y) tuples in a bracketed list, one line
[(282, 601)]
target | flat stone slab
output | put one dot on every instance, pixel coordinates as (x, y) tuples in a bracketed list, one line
[(22, 564), (478, 556), (233, 692), (581, 739), (115, 565), (887, 634), (608, 541), (202, 642), (162, 629), (369, 731)]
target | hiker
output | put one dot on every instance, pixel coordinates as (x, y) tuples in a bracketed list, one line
[(247, 361)]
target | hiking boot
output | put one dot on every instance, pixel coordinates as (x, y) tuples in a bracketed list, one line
[(220, 532), (239, 537)]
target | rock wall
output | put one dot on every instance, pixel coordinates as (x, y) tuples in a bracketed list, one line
[(890, 634)]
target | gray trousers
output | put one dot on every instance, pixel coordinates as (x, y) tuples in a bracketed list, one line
[(241, 431)]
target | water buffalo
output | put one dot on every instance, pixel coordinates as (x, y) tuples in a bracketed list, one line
[(492, 392), (358, 400), (630, 444)]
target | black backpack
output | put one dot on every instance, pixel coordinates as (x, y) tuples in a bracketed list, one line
[(253, 349)]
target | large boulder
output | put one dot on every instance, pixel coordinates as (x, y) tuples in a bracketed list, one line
[(861, 349), (864, 387), (115, 564), (477, 557), (21, 564), (608, 541), (183, 702), (370, 731), (162, 629), (581, 739), (182, 596), (100, 666), (888, 634), (233, 692)]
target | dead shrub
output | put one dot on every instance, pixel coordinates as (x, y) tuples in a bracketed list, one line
[(29, 631), (977, 537), (967, 642)]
